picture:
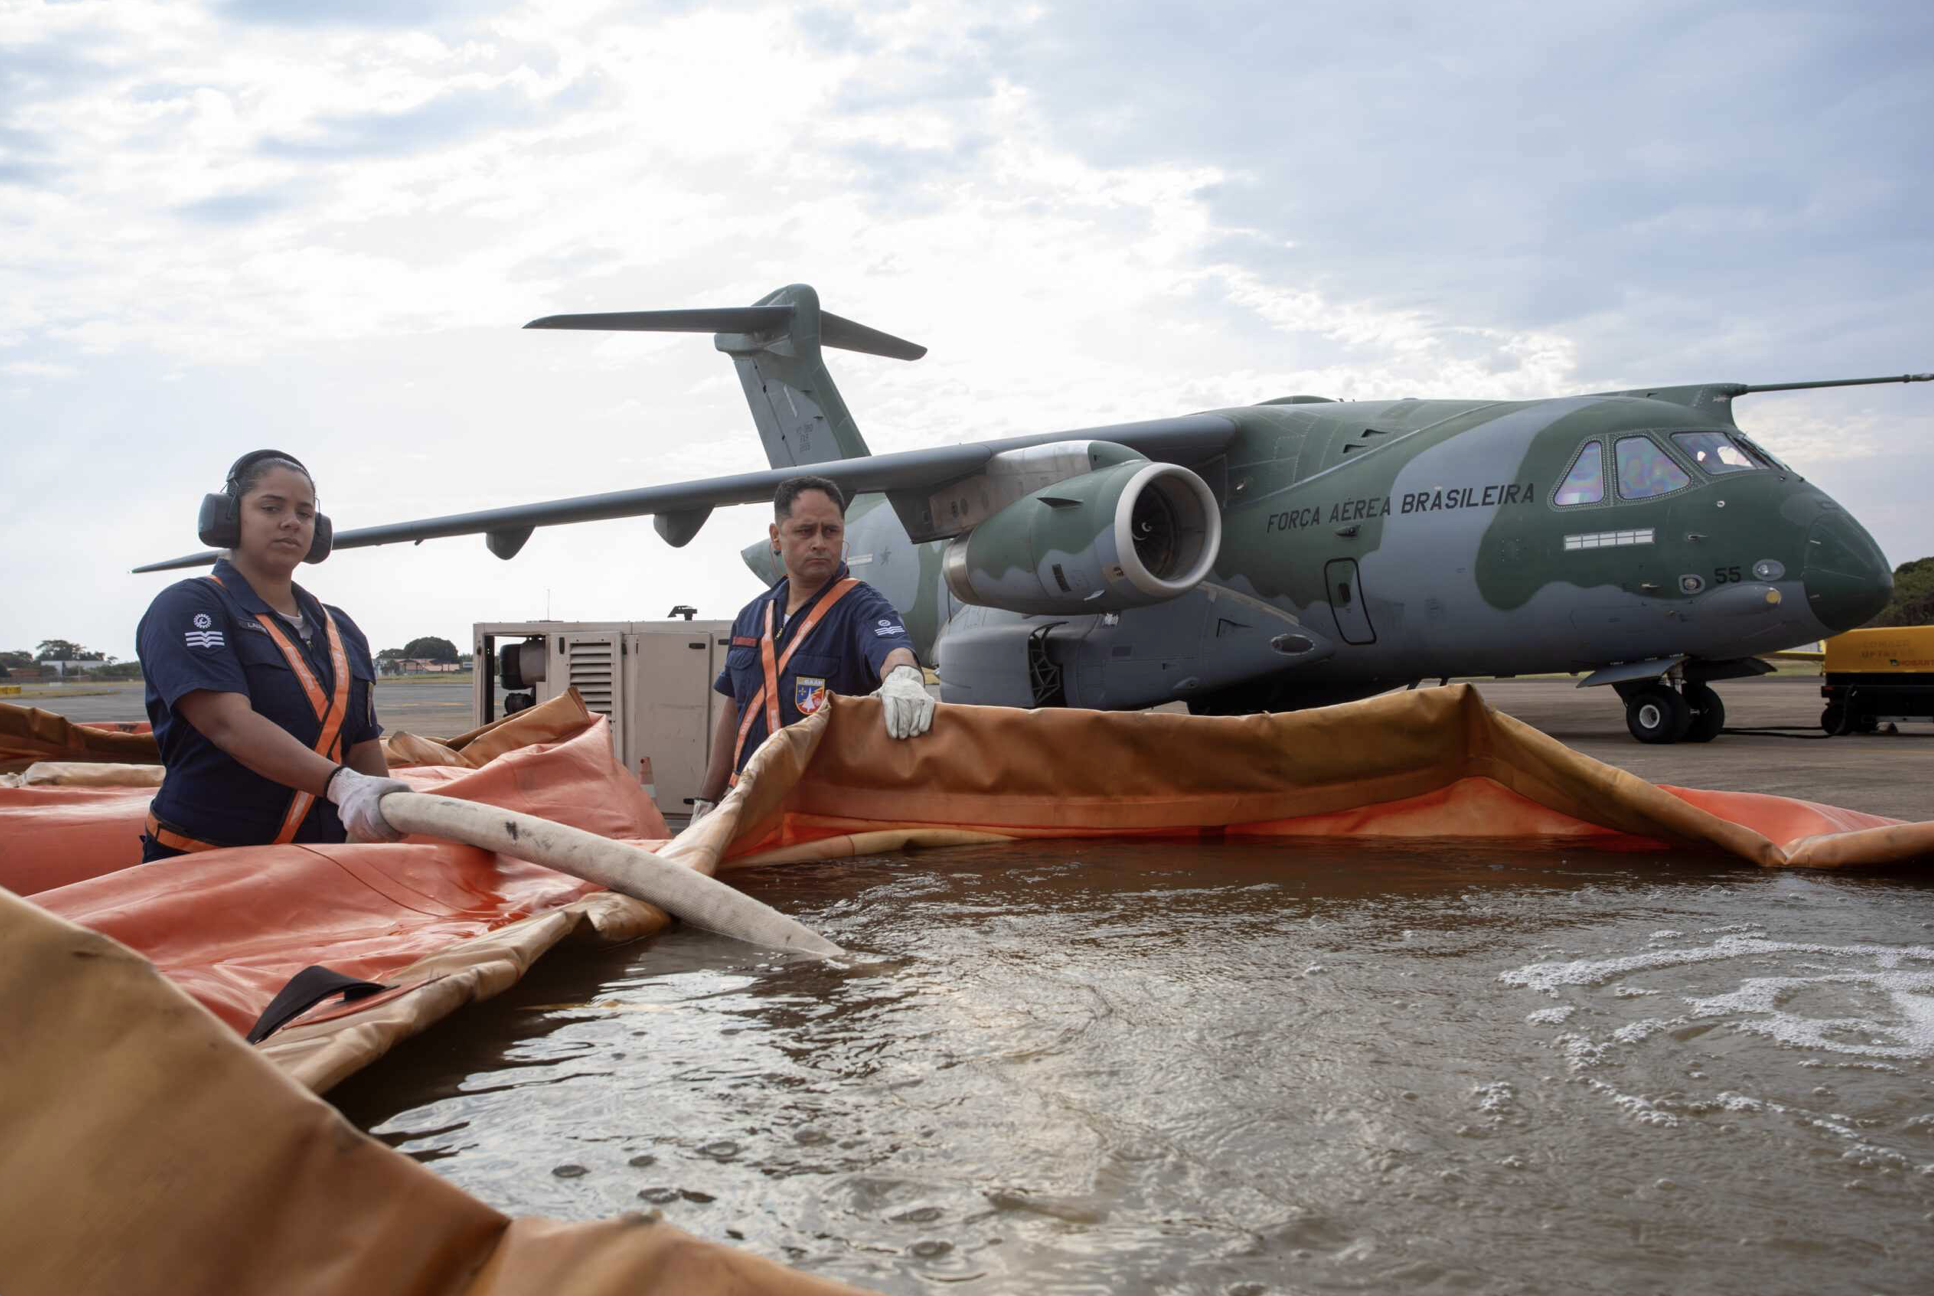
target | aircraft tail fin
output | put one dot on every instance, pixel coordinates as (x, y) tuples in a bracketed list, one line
[(775, 345)]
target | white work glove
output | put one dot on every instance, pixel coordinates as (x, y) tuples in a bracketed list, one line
[(904, 698), (357, 798), (700, 808)]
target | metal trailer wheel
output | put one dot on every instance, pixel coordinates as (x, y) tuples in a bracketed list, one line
[(1657, 714), (1708, 713)]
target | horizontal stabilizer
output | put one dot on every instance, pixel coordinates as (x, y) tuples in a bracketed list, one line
[(776, 346), (729, 319), (834, 330), (838, 331)]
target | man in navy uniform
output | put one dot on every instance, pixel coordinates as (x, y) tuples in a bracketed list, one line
[(817, 631)]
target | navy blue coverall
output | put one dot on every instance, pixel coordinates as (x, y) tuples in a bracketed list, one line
[(201, 635), (843, 655)]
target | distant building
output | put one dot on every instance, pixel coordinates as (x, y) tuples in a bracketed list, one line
[(424, 666), (66, 668)]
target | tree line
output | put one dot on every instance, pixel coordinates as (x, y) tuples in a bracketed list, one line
[(1913, 600), (66, 650), (423, 648), (426, 648)]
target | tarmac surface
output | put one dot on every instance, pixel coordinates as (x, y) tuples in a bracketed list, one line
[(1889, 774), (436, 708)]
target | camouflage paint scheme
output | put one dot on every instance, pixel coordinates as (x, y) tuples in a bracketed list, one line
[(1363, 545), (1439, 516)]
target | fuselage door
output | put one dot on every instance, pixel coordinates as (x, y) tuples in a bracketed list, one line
[(1346, 600)]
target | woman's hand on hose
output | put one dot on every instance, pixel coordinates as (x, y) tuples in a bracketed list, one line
[(358, 799)]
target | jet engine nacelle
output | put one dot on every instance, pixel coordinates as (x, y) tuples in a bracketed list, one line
[(1128, 535)]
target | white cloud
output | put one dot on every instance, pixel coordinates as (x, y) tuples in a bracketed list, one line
[(38, 369)]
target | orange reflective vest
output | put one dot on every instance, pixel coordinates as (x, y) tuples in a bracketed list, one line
[(775, 667), (330, 708)]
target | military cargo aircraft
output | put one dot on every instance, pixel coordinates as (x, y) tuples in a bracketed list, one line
[(1295, 553)]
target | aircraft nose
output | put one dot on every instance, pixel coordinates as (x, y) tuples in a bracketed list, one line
[(1846, 576)]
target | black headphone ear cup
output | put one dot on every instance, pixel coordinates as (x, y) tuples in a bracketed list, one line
[(324, 538), (220, 522)]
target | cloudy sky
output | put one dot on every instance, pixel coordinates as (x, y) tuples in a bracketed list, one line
[(318, 226)]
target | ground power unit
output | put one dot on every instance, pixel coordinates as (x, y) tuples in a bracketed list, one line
[(1871, 677), (652, 678)]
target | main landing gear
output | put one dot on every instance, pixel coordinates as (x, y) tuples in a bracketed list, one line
[(1656, 712)]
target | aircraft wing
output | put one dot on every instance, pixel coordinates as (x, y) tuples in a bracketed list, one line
[(682, 507)]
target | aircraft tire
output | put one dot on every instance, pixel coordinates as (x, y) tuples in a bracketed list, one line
[(1708, 713), (1657, 714)]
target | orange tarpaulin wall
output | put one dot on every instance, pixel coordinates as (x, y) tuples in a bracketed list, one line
[(1431, 763), (28, 734), (231, 927), (86, 820)]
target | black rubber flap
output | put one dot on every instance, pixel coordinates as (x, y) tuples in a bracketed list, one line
[(305, 990)]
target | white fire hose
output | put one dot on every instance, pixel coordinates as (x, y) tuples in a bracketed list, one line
[(629, 870)]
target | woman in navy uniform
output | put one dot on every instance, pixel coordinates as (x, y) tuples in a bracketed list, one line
[(261, 697), (818, 631)]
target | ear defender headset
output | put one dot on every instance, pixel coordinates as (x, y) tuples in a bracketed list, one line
[(220, 523)]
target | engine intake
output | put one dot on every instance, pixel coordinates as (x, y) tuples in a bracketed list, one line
[(1125, 536)]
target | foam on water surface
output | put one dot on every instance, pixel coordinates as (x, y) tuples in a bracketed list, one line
[(1860, 1007), (1859, 1000), (1584, 972)]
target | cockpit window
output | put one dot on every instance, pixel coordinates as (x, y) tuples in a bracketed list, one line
[(1714, 452), (1586, 482), (1762, 454), (1644, 470)]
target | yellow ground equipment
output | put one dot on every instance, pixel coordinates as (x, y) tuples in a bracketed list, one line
[(1877, 675)]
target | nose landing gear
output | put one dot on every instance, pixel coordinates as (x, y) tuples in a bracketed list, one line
[(1708, 713), (1656, 712)]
